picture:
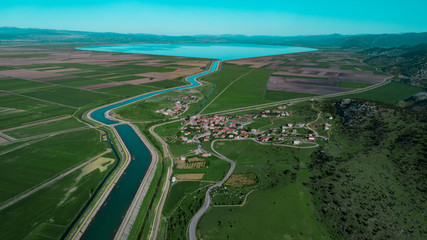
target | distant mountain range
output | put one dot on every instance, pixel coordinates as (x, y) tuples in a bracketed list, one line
[(333, 40)]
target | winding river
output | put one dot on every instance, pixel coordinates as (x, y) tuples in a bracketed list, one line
[(109, 217)]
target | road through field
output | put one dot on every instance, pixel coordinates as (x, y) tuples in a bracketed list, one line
[(207, 202)]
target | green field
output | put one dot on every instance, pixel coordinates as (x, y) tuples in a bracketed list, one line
[(45, 128), (18, 110), (67, 96), (31, 165), (248, 88), (17, 84), (177, 192), (47, 213), (127, 90), (390, 93), (78, 82), (215, 170), (279, 208)]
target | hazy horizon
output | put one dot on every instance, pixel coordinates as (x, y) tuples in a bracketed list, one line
[(189, 17)]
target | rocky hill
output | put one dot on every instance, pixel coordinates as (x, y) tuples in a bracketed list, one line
[(407, 61)]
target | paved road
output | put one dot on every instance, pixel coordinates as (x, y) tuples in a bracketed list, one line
[(205, 206)]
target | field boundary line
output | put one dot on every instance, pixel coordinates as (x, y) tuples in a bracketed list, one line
[(42, 100), (225, 90), (45, 184), (35, 123)]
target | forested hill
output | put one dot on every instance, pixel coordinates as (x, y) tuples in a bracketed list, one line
[(370, 181), (408, 61)]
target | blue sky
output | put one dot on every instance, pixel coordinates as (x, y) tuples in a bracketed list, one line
[(191, 17)]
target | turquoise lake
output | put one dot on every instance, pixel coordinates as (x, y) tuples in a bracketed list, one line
[(222, 51)]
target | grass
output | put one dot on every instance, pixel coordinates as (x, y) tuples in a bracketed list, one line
[(353, 85), (38, 55), (31, 165), (166, 83), (45, 128), (24, 110), (127, 90), (18, 84), (67, 96), (177, 192), (40, 216), (279, 208), (390, 93), (78, 82), (246, 91), (145, 110)]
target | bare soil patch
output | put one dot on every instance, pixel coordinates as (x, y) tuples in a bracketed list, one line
[(189, 176), (138, 81)]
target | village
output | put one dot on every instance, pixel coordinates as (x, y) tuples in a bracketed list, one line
[(197, 129), (181, 105)]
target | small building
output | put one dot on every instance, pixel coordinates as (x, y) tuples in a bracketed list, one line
[(187, 133), (297, 142), (311, 138), (174, 179), (290, 124), (205, 154)]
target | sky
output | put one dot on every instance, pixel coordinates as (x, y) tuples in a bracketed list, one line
[(194, 17)]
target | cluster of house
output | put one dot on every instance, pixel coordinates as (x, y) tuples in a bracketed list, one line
[(180, 106), (274, 113), (197, 129)]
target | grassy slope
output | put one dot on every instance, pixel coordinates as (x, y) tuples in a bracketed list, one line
[(279, 208)]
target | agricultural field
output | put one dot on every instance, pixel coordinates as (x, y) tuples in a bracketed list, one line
[(236, 86), (32, 165), (47, 213), (390, 93)]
